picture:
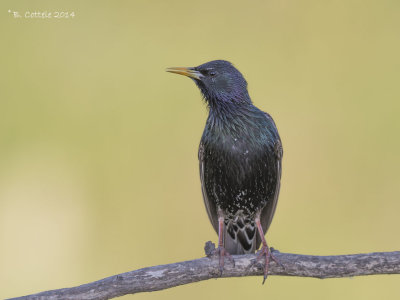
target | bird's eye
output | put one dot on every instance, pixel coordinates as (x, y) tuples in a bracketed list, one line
[(212, 73)]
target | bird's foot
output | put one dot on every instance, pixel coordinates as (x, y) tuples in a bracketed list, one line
[(222, 253), (267, 254)]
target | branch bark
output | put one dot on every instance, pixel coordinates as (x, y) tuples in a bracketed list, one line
[(166, 276)]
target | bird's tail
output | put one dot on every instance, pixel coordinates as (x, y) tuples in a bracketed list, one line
[(240, 238)]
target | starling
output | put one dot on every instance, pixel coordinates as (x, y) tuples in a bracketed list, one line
[(240, 157)]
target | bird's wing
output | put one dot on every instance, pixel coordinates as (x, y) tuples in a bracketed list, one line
[(268, 211), (210, 206)]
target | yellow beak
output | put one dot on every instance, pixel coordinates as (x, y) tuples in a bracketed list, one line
[(189, 72)]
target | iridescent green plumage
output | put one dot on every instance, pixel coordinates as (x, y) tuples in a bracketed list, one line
[(240, 158)]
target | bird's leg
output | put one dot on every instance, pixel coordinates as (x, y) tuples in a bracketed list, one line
[(221, 251), (265, 251)]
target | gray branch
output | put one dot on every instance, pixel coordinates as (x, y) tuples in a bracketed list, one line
[(171, 275)]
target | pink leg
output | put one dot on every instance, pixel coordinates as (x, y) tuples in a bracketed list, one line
[(221, 249), (265, 251)]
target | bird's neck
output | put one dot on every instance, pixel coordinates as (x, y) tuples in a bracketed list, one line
[(227, 102), (226, 110), (233, 114)]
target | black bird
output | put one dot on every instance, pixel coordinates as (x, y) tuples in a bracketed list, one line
[(240, 156)]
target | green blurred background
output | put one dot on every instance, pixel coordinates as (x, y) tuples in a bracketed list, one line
[(98, 144)]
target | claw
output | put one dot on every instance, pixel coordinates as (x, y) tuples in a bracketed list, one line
[(265, 251), (267, 254), (222, 253), (275, 259)]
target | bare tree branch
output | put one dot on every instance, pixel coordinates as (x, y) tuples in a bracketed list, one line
[(166, 276)]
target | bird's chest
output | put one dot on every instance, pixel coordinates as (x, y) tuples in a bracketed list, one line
[(234, 157), (235, 173)]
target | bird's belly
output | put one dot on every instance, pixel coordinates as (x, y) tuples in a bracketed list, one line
[(237, 185)]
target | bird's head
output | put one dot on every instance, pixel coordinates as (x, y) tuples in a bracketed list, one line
[(219, 81)]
